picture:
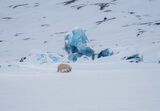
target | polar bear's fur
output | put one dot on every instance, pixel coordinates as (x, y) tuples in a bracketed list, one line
[(64, 68)]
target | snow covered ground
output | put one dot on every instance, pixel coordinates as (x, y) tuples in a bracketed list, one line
[(89, 87), (130, 28), (110, 83)]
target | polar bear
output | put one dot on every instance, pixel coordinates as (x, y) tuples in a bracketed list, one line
[(64, 68)]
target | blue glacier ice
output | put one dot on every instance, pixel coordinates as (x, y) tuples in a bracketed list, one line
[(53, 58), (76, 46), (105, 53), (40, 57), (135, 58)]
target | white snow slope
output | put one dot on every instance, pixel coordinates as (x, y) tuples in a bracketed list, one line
[(109, 83)]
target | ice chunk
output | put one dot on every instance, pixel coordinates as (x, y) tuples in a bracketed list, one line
[(73, 57), (76, 46), (86, 51), (78, 38), (134, 58), (40, 57), (53, 58), (105, 53)]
